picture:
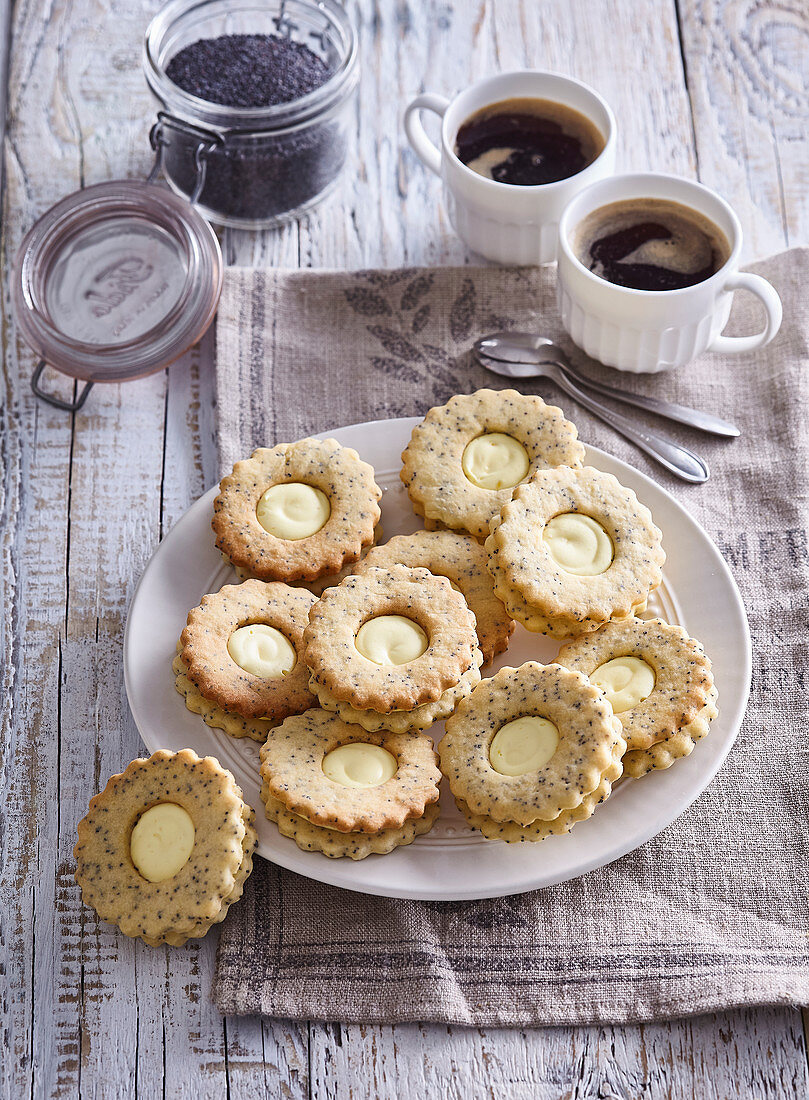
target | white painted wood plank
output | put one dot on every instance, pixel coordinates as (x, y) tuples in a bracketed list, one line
[(713, 1058), (748, 79)]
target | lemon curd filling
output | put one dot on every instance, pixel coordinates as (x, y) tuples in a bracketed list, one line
[(293, 510), (360, 765), (262, 651), (578, 544), (523, 745), (495, 461), (626, 681), (162, 841), (391, 640)]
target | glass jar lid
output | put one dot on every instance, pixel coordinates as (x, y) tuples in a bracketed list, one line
[(116, 281)]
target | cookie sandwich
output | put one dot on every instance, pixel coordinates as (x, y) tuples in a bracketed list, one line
[(297, 512), (240, 661), (573, 550), (531, 752), (659, 683), (165, 849), (462, 560), (392, 649), (465, 459), (336, 788)]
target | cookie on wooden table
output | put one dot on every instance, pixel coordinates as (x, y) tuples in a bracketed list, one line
[(659, 683), (465, 458), (166, 847), (334, 787), (531, 751), (240, 658), (297, 511), (392, 648), (572, 550), (462, 560)]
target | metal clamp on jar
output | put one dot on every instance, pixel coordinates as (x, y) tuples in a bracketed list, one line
[(120, 279)]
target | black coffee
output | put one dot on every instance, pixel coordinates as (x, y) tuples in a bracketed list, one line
[(528, 142), (650, 244)]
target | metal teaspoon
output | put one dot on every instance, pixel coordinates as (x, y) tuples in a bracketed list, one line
[(678, 460), (520, 354)]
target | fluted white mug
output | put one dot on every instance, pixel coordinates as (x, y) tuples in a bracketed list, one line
[(507, 222), (653, 330)]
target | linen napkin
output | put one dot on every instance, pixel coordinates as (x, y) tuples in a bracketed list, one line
[(711, 913)]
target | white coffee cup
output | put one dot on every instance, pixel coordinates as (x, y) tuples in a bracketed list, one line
[(653, 330), (502, 221)]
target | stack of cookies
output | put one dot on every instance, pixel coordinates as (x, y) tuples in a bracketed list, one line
[(166, 847), (336, 788), (337, 653), (531, 752)]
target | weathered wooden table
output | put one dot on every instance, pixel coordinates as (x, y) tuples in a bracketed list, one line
[(709, 88)]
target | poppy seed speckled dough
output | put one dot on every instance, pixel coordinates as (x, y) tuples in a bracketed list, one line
[(337, 472), (292, 770), (683, 692), (432, 463), (462, 560), (199, 895), (415, 594), (334, 844), (589, 750), (535, 588), (211, 668)]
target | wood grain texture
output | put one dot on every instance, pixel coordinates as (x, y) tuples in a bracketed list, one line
[(85, 499)]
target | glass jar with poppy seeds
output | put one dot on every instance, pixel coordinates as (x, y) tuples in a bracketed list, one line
[(256, 100)]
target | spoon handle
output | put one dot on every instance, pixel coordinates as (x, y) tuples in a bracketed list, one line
[(680, 461), (694, 418)]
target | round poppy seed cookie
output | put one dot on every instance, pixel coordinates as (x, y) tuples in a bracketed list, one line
[(334, 844), (166, 847), (572, 550), (465, 458), (297, 511), (243, 650), (530, 744), (342, 777), (462, 560), (390, 639), (657, 679)]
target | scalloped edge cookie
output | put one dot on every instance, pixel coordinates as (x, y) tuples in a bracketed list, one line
[(199, 895), (430, 601), (542, 595), (216, 675), (683, 677), (337, 471), (431, 462), (292, 769), (590, 740), (462, 560)]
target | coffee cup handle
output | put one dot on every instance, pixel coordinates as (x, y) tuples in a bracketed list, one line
[(428, 153), (768, 297)]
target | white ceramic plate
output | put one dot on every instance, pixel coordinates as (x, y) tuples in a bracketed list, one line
[(452, 862)]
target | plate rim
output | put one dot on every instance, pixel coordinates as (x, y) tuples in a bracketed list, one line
[(334, 872)]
